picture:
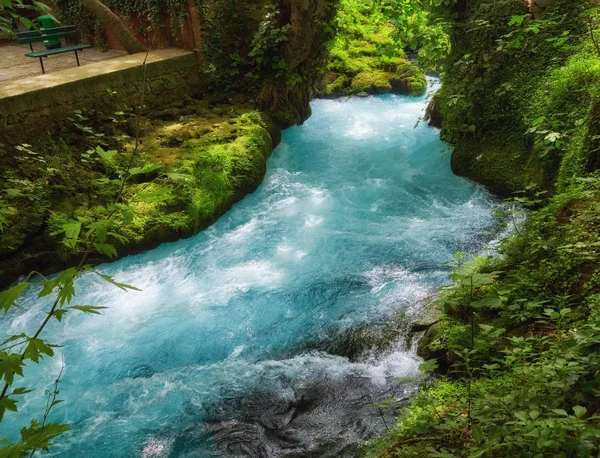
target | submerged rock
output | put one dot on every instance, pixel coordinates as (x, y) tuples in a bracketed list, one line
[(317, 418)]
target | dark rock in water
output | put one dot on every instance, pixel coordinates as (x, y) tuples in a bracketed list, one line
[(321, 418), (433, 113)]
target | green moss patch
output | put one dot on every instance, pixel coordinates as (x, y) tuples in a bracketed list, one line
[(365, 59), (205, 158)]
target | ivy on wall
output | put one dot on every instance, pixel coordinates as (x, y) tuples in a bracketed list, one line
[(150, 15)]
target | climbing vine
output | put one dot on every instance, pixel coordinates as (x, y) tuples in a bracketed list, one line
[(146, 17)]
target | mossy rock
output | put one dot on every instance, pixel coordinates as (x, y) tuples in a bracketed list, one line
[(334, 85), (405, 80), (220, 159), (505, 165), (431, 346), (377, 82), (408, 79)]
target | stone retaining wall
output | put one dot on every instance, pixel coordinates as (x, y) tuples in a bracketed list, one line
[(33, 107)]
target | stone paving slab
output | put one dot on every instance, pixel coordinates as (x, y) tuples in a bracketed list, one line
[(31, 84), (14, 65)]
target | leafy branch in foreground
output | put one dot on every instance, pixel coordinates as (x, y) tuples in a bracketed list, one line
[(10, 11), (87, 236)]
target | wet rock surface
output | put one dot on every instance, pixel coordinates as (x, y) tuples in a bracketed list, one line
[(322, 418)]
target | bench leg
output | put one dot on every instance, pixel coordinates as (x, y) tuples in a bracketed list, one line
[(77, 57), (42, 64)]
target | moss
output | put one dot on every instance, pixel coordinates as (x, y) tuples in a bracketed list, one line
[(218, 159), (335, 84), (503, 167), (490, 101), (365, 59), (376, 82)]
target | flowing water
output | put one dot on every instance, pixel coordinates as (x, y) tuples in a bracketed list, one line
[(236, 345)]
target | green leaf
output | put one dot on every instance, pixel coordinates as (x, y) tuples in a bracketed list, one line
[(10, 364), (107, 249), (49, 286), (478, 434), (521, 416), (487, 303), (67, 286), (99, 229), (72, 229), (580, 411), (561, 412), (20, 390), (35, 350), (9, 404), (428, 366), (8, 298), (88, 309), (39, 437), (59, 314), (177, 176), (125, 210), (146, 168), (108, 157), (122, 286)]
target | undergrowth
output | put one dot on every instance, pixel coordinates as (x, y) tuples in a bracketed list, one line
[(514, 360)]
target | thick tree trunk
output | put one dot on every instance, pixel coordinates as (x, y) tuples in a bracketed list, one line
[(112, 22)]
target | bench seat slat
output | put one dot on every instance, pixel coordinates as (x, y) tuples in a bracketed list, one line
[(36, 36), (50, 52)]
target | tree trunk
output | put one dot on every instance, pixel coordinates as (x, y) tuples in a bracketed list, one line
[(112, 23)]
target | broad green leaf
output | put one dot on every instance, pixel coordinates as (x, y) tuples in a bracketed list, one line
[(99, 229), (39, 437), (125, 210), (10, 364), (107, 249), (580, 411), (72, 229), (9, 404), (487, 303), (59, 314), (35, 350), (20, 390), (477, 434), (428, 366), (108, 157), (8, 298), (49, 286), (13, 339), (67, 287)]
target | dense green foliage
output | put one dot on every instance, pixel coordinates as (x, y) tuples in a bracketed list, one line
[(365, 57), (516, 347), (232, 143)]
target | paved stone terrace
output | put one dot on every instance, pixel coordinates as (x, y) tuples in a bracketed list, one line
[(14, 65), (72, 74)]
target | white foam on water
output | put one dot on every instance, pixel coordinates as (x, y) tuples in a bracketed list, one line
[(353, 223)]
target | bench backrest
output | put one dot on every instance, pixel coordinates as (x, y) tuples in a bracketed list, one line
[(35, 36)]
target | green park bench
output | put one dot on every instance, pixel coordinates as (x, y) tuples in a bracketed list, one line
[(69, 33)]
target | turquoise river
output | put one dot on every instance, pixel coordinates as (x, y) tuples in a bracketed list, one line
[(245, 339)]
